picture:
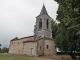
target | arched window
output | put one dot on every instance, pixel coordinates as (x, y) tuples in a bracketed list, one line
[(47, 23), (40, 24)]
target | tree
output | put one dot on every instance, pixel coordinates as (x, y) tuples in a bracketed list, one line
[(0, 48), (54, 27), (71, 12), (67, 40), (0, 45), (4, 50), (68, 15)]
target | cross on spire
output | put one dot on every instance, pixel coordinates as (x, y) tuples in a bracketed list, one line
[(43, 4)]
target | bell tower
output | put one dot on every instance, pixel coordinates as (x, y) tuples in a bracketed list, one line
[(43, 24)]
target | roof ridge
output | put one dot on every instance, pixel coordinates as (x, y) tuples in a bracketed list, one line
[(22, 38)]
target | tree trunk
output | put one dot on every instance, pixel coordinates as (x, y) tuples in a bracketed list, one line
[(72, 55), (74, 51)]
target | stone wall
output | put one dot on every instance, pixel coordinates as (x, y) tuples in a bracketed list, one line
[(17, 45), (40, 47), (51, 47), (44, 32), (27, 48), (44, 51)]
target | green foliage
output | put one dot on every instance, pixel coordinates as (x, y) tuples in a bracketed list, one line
[(4, 50), (0, 48), (54, 27), (69, 12), (68, 39), (0, 45)]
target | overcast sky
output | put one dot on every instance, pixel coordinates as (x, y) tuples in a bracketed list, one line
[(18, 17)]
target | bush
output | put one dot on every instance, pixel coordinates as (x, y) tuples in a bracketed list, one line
[(0, 50), (4, 50)]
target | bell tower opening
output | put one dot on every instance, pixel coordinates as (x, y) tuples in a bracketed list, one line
[(47, 24), (40, 24)]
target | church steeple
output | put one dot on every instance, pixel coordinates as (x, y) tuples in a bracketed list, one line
[(43, 11), (43, 24)]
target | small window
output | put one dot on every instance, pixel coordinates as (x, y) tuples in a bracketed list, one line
[(40, 47), (18, 42), (12, 43), (40, 24), (47, 46)]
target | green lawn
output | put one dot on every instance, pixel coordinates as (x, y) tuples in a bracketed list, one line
[(65, 57), (4, 56)]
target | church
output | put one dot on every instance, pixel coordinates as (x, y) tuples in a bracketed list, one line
[(41, 43)]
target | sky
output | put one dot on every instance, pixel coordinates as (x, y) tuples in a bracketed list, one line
[(18, 17)]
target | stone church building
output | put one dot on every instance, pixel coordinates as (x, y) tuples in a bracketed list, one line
[(41, 43)]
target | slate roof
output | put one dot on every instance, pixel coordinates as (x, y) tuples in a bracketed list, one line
[(43, 11)]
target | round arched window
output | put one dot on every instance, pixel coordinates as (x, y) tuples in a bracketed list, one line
[(40, 24)]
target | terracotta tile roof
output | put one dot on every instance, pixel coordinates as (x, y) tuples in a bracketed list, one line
[(37, 40), (21, 38), (32, 40)]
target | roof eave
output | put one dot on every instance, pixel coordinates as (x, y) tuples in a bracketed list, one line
[(42, 14)]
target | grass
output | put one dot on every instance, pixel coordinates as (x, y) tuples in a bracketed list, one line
[(65, 57), (4, 56)]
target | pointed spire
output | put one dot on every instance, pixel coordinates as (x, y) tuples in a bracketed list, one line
[(43, 11)]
